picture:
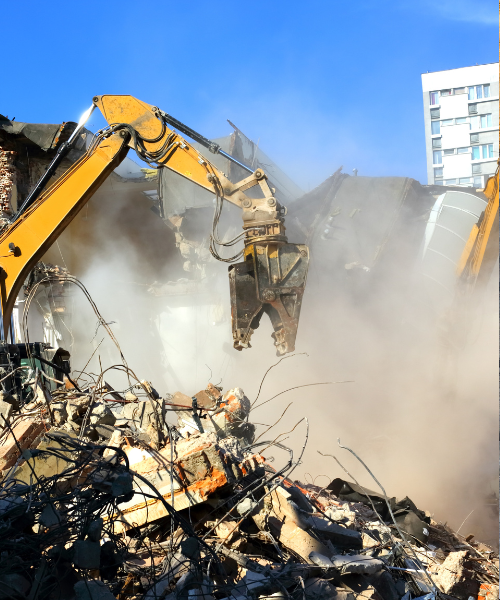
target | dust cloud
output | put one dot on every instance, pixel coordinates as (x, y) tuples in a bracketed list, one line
[(424, 421)]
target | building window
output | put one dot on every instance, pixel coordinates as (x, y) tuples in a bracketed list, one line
[(475, 153), (445, 92), (480, 122), (438, 182), (449, 152), (436, 142), (437, 157), (472, 109), (438, 173), (487, 151), (461, 121), (465, 180), (476, 169), (462, 150), (435, 113), (436, 127), (447, 122), (479, 91), (434, 98), (461, 90), (485, 121), (478, 182), (450, 182), (474, 138)]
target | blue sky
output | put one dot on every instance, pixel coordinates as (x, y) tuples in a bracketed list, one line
[(319, 84)]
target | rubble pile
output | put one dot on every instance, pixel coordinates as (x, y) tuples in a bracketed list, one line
[(103, 495)]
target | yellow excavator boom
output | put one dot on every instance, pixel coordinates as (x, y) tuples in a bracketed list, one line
[(481, 251), (271, 277)]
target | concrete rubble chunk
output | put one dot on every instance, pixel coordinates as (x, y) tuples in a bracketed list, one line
[(338, 535), (95, 529), (361, 586), (59, 413), (316, 588), (26, 432), (226, 415), (142, 414), (202, 469), (321, 560), (87, 554), (105, 431), (101, 415), (247, 506), (283, 523), (50, 516), (10, 399), (342, 515), (357, 563), (385, 585), (5, 412), (115, 441), (13, 585), (454, 576), (92, 590), (76, 407)]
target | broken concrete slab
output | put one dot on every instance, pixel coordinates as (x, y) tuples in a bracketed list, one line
[(92, 590), (341, 537), (321, 560), (201, 468), (101, 415), (316, 588), (44, 464), (13, 585), (338, 535), (361, 587), (356, 563), (455, 576), (87, 554), (25, 433), (5, 412)]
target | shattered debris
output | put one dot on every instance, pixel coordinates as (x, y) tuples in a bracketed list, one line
[(102, 497)]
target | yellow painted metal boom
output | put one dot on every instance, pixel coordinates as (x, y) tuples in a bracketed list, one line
[(273, 275), (481, 249), (24, 243)]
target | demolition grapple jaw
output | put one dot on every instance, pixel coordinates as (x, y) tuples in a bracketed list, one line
[(271, 279)]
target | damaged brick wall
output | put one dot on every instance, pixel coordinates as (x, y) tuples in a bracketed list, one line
[(7, 180)]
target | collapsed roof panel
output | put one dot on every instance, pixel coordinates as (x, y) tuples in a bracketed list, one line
[(43, 135), (363, 222)]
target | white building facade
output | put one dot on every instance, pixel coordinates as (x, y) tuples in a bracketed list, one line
[(461, 125)]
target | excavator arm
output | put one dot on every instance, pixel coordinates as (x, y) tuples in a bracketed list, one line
[(272, 276), (481, 251)]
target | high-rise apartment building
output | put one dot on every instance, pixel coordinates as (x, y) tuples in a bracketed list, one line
[(461, 125)]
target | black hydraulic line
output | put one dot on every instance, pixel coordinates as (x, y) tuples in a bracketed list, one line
[(57, 367), (197, 137), (62, 151)]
